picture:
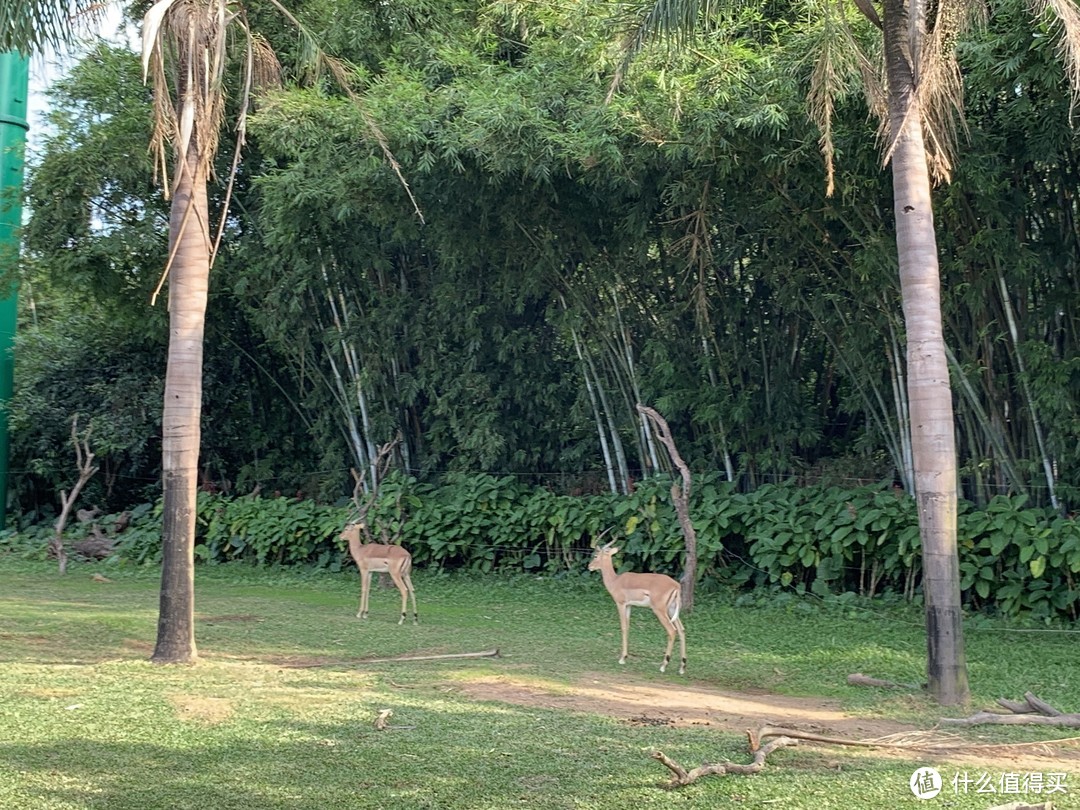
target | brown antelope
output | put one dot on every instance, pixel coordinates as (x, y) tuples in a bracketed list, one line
[(375, 558), (656, 591)]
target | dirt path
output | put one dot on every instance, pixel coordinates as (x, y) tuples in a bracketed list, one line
[(644, 703)]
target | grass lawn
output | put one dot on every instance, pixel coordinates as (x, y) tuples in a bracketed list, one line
[(279, 711)]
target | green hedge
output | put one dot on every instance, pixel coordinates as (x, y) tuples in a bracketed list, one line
[(1016, 560)]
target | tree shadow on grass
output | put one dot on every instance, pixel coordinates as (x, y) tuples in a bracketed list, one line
[(490, 758)]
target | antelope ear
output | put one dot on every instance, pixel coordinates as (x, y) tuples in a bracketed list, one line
[(611, 548)]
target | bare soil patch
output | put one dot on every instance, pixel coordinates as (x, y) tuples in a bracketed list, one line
[(641, 703), (202, 709), (644, 703)]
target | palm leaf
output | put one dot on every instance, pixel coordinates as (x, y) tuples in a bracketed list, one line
[(32, 25), (674, 20)]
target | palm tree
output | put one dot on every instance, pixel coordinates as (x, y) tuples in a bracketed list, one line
[(185, 56), (184, 40), (917, 94), (193, 33)]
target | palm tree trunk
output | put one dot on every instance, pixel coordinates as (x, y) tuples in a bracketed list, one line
[(189, 277), (929, 392)]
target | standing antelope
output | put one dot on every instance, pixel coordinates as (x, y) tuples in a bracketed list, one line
[(374, 558), (656, 591)]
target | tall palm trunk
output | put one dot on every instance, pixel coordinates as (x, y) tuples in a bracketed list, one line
[(929, 391), (189, 242)]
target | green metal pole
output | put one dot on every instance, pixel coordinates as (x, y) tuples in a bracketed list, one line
[(14, 88)]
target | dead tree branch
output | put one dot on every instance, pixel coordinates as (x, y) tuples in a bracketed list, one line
[(995, 719), (493, 653), (1032, 711), (680, 497), (683, 777), (84, 462), (858, 679), (779, 737)]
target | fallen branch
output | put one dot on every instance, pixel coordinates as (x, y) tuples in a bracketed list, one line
[(784, 737), (684, 777), (1016, 706), (858, 679), (995, 719), (485, 653), (493, 653), (1023, 806), (917, 741), (1041, 706), (1032, 711)]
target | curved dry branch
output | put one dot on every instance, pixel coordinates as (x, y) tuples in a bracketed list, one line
[(84, 462), (683, 777), (680, 496)]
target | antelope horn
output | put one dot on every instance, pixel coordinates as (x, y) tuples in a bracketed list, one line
[(596, 542)]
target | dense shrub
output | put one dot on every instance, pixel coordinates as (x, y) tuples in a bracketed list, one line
[(1015, 560)]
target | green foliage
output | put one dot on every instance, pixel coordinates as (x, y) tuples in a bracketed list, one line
[(280, 531), (680, 232), (1015, 560), (832, 539)]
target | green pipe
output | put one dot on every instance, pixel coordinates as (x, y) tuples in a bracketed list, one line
[(14, 88)]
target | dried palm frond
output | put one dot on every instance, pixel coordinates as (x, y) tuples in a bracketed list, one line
[(185, 51), (184, 60), (939, 91), (1065, 13), (839, 62)]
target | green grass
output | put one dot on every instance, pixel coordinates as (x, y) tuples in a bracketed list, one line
[(87, 722)]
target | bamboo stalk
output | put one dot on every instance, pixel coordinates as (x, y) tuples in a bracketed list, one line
[(1025, 386), (596, 412)]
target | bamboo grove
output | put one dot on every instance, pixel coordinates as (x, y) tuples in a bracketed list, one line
[(673, 245)]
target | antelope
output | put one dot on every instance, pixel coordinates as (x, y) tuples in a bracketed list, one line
[(375, 558), (656, 591)]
